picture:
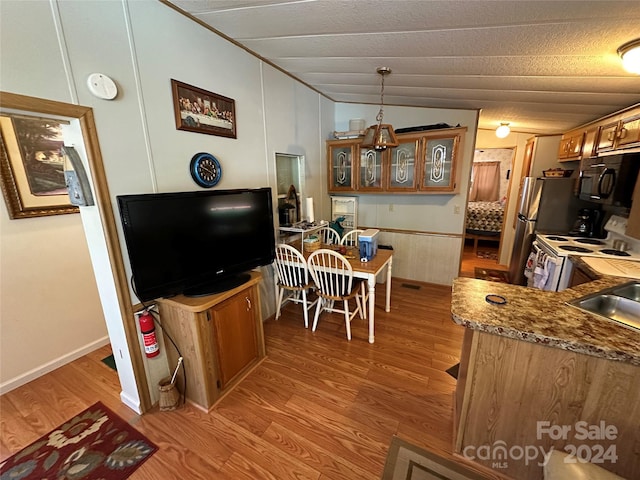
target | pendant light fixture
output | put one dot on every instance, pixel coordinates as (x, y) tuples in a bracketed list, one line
[(503, 130), (380, 136), (630, 55)]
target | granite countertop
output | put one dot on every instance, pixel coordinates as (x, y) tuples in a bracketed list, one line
[(543, 317)]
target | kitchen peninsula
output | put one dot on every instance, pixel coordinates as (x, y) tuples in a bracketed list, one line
[(535, 372)]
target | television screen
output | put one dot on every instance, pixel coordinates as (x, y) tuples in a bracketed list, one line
[(196, 243)]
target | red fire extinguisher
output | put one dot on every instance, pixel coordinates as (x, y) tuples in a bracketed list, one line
[(148, 329)]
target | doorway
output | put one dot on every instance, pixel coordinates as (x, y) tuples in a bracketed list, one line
[(104, 245)]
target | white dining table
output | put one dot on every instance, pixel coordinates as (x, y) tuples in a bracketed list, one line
[(369, 271)]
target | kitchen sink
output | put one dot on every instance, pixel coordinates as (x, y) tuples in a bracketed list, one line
[(620, 304), (630, 290)]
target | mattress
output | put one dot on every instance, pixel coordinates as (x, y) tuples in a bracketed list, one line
[(484, 217)]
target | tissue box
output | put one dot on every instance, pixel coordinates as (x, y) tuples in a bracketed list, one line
[(368, 241)]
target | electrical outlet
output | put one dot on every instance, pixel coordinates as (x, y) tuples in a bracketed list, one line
[(391, 207), (456, 209)]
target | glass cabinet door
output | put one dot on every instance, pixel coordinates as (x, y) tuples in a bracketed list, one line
[(370, 169), (402, 165), (438, 173), (341, 167)]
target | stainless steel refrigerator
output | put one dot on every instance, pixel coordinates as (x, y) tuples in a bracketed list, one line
[(545, 205)]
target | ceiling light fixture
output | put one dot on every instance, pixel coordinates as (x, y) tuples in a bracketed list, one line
[(380, 136), (503, 130), (630, 55)]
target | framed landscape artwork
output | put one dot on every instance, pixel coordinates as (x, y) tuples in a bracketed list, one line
[(200, 111), (32, 167)]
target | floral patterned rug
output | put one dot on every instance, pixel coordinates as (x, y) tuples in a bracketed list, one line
[(95, 444)]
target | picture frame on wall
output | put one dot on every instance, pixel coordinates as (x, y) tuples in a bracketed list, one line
[(32, 167), (201, 111)]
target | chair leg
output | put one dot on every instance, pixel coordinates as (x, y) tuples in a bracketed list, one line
[(317, 314), (347, 319), (280, 295), (304, 308)]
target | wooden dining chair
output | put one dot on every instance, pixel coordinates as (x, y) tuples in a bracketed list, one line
[(350, 239), (328, 236), (333, 277), (293, 276)]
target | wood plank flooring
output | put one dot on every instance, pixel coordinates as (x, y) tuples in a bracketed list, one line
[(319, 407)]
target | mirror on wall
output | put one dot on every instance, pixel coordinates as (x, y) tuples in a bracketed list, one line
[(290, 188)]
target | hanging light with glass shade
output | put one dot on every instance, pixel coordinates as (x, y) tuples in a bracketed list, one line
[(380, 136), (503, 130)]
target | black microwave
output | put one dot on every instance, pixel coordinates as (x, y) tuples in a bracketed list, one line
[(609, 180)]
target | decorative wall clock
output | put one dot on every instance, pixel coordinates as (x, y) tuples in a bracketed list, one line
[(205, 170)]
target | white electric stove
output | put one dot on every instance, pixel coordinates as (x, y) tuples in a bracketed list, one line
[(552, 252)]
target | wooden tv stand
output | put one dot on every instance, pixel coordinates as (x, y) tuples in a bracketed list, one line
[(220, 338)]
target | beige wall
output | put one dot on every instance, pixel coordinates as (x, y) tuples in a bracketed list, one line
[(50, 311)]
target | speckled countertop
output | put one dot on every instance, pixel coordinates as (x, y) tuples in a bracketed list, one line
[(542, 317)]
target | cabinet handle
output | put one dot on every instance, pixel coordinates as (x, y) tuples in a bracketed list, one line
[(622, 133), (611, 135), (248, 300)]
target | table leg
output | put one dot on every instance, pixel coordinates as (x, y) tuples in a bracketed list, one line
[(387, 307), (371, 280)]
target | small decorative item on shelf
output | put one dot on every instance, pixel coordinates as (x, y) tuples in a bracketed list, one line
[(348, 134), (311, 243), (557, 173)]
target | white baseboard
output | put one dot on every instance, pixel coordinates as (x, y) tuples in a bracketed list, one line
[(131, 403), (52, 365)]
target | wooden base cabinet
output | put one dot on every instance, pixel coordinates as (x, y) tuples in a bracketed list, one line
[(219, 336), (511, 393)]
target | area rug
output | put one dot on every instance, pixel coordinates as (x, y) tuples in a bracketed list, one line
[(453, 370), (491, 275), (487, 255), (408, 462), (110, 362), (95, 444)]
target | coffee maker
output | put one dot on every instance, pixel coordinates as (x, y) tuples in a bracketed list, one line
[(587, 223)]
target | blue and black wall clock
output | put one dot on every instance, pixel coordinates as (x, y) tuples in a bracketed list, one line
[(205, 169)]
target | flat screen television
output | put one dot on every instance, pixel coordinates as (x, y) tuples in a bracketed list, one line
[(196, 243)]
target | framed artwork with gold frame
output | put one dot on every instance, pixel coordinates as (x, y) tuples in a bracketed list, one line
[(200, 111), (32, 167)]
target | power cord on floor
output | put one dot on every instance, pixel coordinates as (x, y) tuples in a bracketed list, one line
[(156, 318)]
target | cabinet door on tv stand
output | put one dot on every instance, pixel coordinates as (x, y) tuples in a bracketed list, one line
[(235, 336)]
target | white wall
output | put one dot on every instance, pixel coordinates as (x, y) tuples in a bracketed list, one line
[(142, 45)]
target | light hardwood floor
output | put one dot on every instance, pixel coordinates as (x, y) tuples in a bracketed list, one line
[(319, 407)]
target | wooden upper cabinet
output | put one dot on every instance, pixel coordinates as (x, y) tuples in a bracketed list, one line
[(370, 169), (402, 166), (619, 135), (341, 155), (590, 142), (607, 137), (423, 162), (628, 134), (571, 146), (438, 160)]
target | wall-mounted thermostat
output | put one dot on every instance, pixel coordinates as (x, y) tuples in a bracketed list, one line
[(102, 86)]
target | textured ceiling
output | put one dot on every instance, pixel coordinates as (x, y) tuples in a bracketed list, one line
[(543, 66)]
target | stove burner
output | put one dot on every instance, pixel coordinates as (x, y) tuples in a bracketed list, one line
[(572, 248), (617, 253), (555, 238), (589, 241)]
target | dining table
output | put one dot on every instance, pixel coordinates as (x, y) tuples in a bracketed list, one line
[(369, 271)]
